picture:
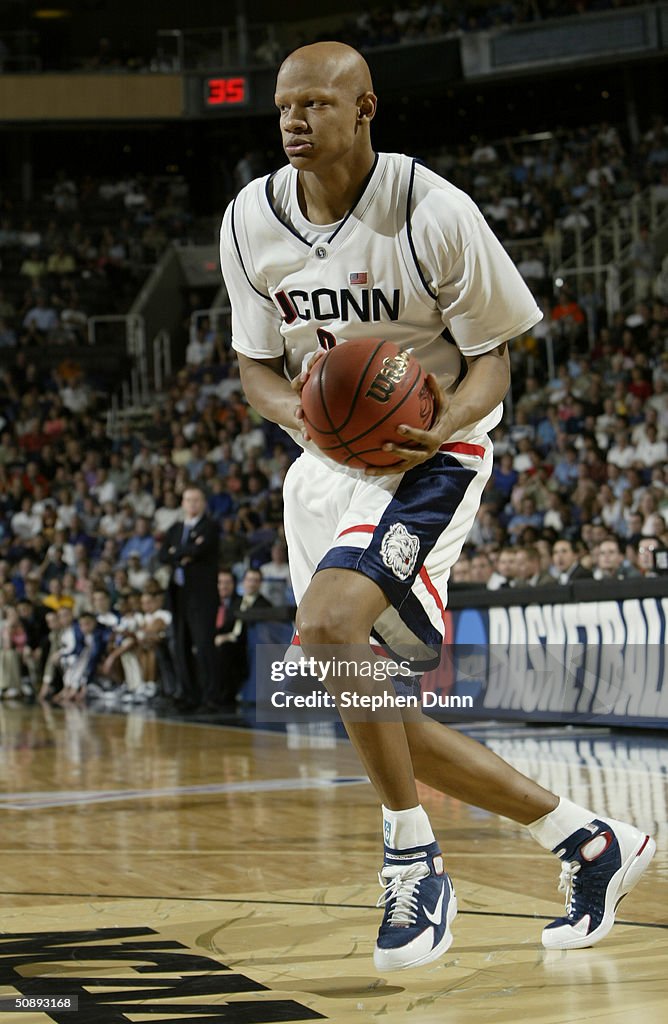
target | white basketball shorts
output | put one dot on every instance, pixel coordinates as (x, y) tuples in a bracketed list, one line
[(405, 532)]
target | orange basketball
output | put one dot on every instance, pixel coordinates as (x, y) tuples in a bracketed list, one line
[(357, 396)]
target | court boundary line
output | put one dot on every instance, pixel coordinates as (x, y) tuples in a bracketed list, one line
[(299, 903)]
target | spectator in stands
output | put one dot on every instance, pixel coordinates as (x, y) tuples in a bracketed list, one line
[(143, 503), (566, 468), (504, 570), (622, 453), (566, 563), (75, 394), (527, 569), (654, 525), (527, 516), (26, 523), (13, 646), (652, 557), (643, 261), (610, 563), (140, 543), (33, 267), (8, 337), (167, 514), (568, 318), (42, 317), (230, 641), (276, 585), (461, 570), (102, 607), (74, 321), (249, 441), (482, 570), (651, 451), (138, 575), (103, 489), (60, 263)]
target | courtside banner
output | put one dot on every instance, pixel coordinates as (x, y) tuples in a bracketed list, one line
[(599, 662), (594, 662)]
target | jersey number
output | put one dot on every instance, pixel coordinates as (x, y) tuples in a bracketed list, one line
[(325, 338)]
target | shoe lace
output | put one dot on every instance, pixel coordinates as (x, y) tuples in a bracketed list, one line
[(400, 884), (569, 870)]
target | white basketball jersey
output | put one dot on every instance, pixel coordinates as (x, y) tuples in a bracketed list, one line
[(414, 262)]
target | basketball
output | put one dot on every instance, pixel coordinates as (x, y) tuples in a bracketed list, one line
[(357, 396)]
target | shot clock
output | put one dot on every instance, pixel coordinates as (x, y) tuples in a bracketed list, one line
[(225, 92)]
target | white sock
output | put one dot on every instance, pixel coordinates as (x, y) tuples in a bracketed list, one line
[(553, 828), (403, 830)]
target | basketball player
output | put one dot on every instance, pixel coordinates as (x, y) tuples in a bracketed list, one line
[(346, 243)]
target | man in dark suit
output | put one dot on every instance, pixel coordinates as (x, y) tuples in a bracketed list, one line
[(232, 635), (528, 572), (230, 645), (191, 549), (567, 564)]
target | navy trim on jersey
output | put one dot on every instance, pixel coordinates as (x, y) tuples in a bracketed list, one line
[(285, 223), (361, 196), (425, 284), (411, 613), (241, 259), (463, 365)]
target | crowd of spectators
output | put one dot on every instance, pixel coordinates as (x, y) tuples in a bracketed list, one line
[(83, 515), (581, 474), (388, 24), (543, 194), (85, 250), (399, 23), (579, 488)]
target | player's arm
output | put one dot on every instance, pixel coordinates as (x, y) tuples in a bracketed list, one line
[(485, 385), (256, 326), (269, 392)]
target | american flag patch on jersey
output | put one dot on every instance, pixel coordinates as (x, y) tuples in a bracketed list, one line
[(358, 278)]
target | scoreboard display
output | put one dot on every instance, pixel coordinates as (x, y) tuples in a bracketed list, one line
[(226, 92)]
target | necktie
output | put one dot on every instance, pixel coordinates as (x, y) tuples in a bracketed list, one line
[(221, 616), (179, 572)]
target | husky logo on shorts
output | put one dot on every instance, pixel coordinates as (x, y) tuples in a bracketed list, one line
[(399, 550)]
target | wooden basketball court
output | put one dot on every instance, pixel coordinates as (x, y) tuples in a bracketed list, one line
[(187, 871)]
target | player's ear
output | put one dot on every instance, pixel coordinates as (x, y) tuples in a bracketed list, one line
[(366, 106)]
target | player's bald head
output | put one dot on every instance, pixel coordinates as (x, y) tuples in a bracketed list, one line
[(331, 64)]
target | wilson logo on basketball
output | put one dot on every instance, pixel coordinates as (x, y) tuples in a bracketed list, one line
[(384, 383)]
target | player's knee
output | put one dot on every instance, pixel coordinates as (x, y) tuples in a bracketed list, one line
[(324, 626)]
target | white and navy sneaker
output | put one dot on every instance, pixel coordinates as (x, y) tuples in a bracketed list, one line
[(601, 863), (420, 905)]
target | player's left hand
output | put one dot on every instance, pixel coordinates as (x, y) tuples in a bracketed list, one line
[(421, 444), (298, 386)]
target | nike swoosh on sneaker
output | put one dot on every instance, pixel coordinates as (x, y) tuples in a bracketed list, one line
[(582, 927), (437, 916)]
